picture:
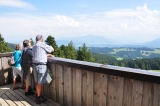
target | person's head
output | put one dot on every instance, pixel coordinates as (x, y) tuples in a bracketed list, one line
[(39, 38), (26, 43), (18, 47)]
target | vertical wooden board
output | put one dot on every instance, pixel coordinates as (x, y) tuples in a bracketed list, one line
[(137, 93), (60, 79), (97, 88), (78, 87), (45, 90), (1, 74), (115, 90), (103, 89), (156, 96), (90, 79), (84, 88), (74, 87), (52, 88), (127, 92), (57, 84), (147, 99), (67, 86)]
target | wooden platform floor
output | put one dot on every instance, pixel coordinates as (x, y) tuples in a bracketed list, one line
[(9, 97)]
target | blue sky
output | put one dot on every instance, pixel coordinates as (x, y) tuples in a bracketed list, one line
[(133, 21)]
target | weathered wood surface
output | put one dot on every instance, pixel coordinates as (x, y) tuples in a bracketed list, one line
[(76, 86), (9, 97)]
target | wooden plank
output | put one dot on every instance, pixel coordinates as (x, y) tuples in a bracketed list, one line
[(97, 89), (57, 84), (67, 86), (115, 90), (15, 100), (3, 103), (53, 103), (32, 97), (10, 102), (127, 95), (84, 88), (103, 89), (19, 98), (147, 99), (1, 75), (137, 93), (53, 83), (30, 101), (5, 68), (78, 87), (60, 81), (74, 87), (90, 79), (156, 97)]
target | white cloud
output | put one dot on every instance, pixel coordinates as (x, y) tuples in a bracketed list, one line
[(16, 4), (126, 25)]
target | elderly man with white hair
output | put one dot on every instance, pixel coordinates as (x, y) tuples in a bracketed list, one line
[(40, 51)]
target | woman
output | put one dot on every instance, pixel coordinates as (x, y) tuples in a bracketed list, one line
[(17, 67)]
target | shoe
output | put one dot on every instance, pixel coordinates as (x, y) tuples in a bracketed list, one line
[(29, 93), (22, 87), (16, 87), (40, 99)]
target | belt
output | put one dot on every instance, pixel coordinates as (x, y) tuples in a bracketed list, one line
[(39, 63)]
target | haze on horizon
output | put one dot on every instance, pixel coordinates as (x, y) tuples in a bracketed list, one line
[(125, 21)]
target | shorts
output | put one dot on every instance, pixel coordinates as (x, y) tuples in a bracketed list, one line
[(17, 71), (29, 76), (40, 73)]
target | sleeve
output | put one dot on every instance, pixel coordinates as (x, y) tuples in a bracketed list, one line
[(47, 48), (30, 53)]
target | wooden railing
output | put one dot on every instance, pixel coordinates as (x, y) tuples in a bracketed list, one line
[(78, 83)]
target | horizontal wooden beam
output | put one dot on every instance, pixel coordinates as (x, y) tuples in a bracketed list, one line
[(6, 54), (131, 73)]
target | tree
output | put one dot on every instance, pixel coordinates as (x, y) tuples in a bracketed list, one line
[(32, 43), (71, 51), (4, 46), (84, 54), (51, 41)]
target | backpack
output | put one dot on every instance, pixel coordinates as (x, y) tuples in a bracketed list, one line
[(11, 61)]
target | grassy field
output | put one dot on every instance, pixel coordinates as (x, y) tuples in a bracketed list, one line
[(155, 70), (121, 49), (119, 58)]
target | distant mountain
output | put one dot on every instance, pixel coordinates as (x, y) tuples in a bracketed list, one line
[(89, 40), (153, 44)]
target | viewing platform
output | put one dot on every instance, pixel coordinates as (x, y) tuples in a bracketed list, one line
[(79, 83)]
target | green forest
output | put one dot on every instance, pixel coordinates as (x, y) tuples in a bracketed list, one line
[(99, 55)]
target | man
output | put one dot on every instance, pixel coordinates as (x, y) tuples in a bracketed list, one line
[(40, 50), (27, 65)]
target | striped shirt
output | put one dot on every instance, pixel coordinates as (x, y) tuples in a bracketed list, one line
[(40, 50)]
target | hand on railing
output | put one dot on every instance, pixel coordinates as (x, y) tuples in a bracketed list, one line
[(50, 55)]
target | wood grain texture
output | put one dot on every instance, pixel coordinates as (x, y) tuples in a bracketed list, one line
[(115, 90), (137, 93), (84, 88), (156, 98)]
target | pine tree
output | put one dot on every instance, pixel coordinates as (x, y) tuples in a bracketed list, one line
[(51, 41), (32, 43), (71, 51), (84, 54), (4, 46)]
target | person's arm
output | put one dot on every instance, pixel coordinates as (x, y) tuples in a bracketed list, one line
[(48, 48)]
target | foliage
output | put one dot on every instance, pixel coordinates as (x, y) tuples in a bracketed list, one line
[(32, 42), (84, 54), (4, 45), (51, 41)]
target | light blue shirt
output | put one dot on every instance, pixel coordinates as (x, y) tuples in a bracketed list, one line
[(17, 57), (40, 50)]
